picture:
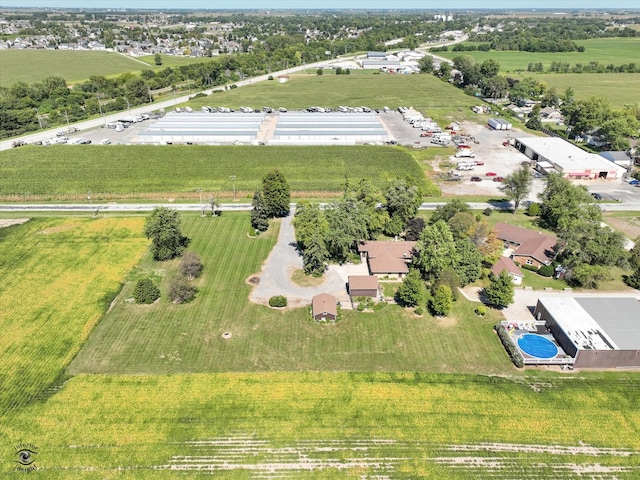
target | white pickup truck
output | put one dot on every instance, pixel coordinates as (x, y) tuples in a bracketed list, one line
[(465, 153)]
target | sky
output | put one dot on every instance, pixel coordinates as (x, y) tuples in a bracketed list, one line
[(326, 4)]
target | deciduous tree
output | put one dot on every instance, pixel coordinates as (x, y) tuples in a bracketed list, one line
[(163, 228), (435, 251), (517, 186), (441, 300)]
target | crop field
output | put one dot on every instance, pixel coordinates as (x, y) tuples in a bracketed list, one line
[(58, 278), (167, 338), (617, 51), (324, 425), (618, 88), (35, 65), (126, 171)]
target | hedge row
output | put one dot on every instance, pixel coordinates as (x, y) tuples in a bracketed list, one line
[(511, 349)]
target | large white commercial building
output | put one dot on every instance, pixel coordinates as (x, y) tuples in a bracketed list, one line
[(567, 159)]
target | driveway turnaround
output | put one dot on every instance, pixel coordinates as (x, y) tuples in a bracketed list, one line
[(284, 259)]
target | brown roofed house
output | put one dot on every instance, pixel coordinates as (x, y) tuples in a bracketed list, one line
[(323, 307), (531, 248), (387, 258), (363, 286), (505, 263)]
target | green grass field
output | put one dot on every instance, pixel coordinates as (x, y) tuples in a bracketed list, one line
[(172, 61), (324, 425), (440, 100), (58, 278), (74, 66), (162, 171), (167, 338), (618, 51)]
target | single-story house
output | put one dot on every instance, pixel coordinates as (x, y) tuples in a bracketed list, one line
[(324, 307), (363, 286), (505, 263), (551, 114), (529, 247), (387, 258)]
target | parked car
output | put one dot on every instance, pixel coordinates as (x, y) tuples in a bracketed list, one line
[(596, 196), (18, 143), (491, 174), (475, 179), (282, 110), (498, 179), (634, 182)]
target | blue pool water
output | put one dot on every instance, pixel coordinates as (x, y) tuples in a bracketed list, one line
[(537, 346)]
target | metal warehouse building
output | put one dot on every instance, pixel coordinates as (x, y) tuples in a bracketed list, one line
[(303, 128), (599, 332), (203, 128), (567, 159)]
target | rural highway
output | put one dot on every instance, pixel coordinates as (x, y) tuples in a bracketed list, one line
[(233, 207)]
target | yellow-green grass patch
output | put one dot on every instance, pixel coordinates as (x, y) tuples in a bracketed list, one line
[(58, 278)]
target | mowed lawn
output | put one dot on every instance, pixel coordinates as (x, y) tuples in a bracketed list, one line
[(58, 278), (166, 338), (328, 425), (138, 171), (35, 65)]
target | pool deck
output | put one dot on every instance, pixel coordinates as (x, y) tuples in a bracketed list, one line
[(518, 329)]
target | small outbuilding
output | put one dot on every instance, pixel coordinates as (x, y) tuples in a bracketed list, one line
[(324, 308), (363, 286), (505, 263)]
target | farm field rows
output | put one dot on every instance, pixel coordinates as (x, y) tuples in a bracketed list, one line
[(58, 278), (167, 338), (325, 425), (124, 171), (35, 65)]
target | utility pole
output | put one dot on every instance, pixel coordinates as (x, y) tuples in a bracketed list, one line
[(39, 120), (233, 180), (201, 205)]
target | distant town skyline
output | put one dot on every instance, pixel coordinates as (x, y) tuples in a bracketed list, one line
[(325, 4)]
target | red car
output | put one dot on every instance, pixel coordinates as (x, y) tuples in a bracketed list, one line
[(498, 179), (491, 174)]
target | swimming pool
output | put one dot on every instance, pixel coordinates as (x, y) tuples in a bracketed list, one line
[(537, 346)]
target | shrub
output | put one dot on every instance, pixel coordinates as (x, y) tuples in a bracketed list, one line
[(270, 77), (181, 290), (360, 307), (191, 265), (546, 271), (533, 210), (145, 291), (488, 211), (278, 301), (531, 268), (511, 349), (419, 311), (481, 310)]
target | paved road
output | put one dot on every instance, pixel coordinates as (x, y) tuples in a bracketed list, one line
[(275, 278), (238, 207)]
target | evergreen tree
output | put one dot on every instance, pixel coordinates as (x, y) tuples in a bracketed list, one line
[(276, 194), (442, 300), (315, 255), (163, 228), (145, 291), (259, 217), (412, 290), (500, 290)]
